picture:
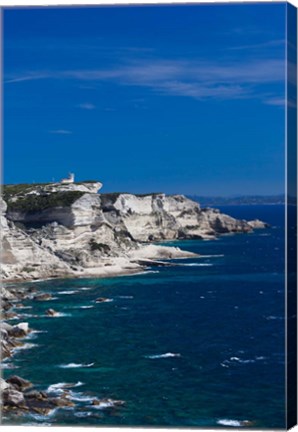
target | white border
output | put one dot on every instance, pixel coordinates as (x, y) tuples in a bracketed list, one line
[(12, 3), (53, 3)]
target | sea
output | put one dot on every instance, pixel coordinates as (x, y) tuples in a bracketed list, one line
[(199, 344)]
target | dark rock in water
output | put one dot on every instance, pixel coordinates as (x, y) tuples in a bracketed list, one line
[(34, 401), (17, 332), (34, 394), (13, 398), (3, 334), (19, 383), (41, 403), (43, 297), (6, 305), (108, 403), (101, 300), (247, 423), (9, 315), (51, 312), (5, 349), (41, 410), (62, 402)]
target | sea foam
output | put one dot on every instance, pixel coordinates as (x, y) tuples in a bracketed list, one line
[(8, 366), (238, 360), (59, 315), (66, 292), (231, 422), (40, 417), (76, 365), (82, 414), (25, 346), (80, 397), (161, 356), (60, 387)]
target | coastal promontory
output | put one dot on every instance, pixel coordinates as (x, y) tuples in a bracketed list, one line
[(71, 230)]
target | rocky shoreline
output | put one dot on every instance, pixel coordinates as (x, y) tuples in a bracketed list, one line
[(18, 395)]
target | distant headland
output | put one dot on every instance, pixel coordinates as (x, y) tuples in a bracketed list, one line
[(239, 200)]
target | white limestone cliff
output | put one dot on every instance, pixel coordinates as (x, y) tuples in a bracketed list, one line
[(60, 233)]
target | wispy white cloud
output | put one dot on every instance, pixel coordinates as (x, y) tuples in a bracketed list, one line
[(61, 132), (32, 76), (275, 101), (258, 46), (86, 106), (196, 79)]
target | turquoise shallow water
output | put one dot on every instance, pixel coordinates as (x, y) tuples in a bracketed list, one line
[(196, 345)]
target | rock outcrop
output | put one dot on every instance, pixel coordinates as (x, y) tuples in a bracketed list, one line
[(70, 230), (17, 396)]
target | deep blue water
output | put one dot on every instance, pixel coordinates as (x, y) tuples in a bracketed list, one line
[(220, 316)]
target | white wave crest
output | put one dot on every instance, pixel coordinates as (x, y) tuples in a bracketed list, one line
[(25, 346), (38, 331), (25, 315), (76, 365), (8, 366), (197, 265), (161, 356), (66, 292), (230, 422), (80, 397), (83, 414), (60, 387), (59, 315), (238, 360)]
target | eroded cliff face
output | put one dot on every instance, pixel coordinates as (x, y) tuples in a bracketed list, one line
[(23, 257), (75, 233), (161, 217)]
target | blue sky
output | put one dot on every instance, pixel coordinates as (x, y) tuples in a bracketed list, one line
[(176, 99)]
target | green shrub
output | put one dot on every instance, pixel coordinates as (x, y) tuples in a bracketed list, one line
[(33, 203), (11, 190)]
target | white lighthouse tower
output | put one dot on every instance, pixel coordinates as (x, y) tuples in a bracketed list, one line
[(69, 179)]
